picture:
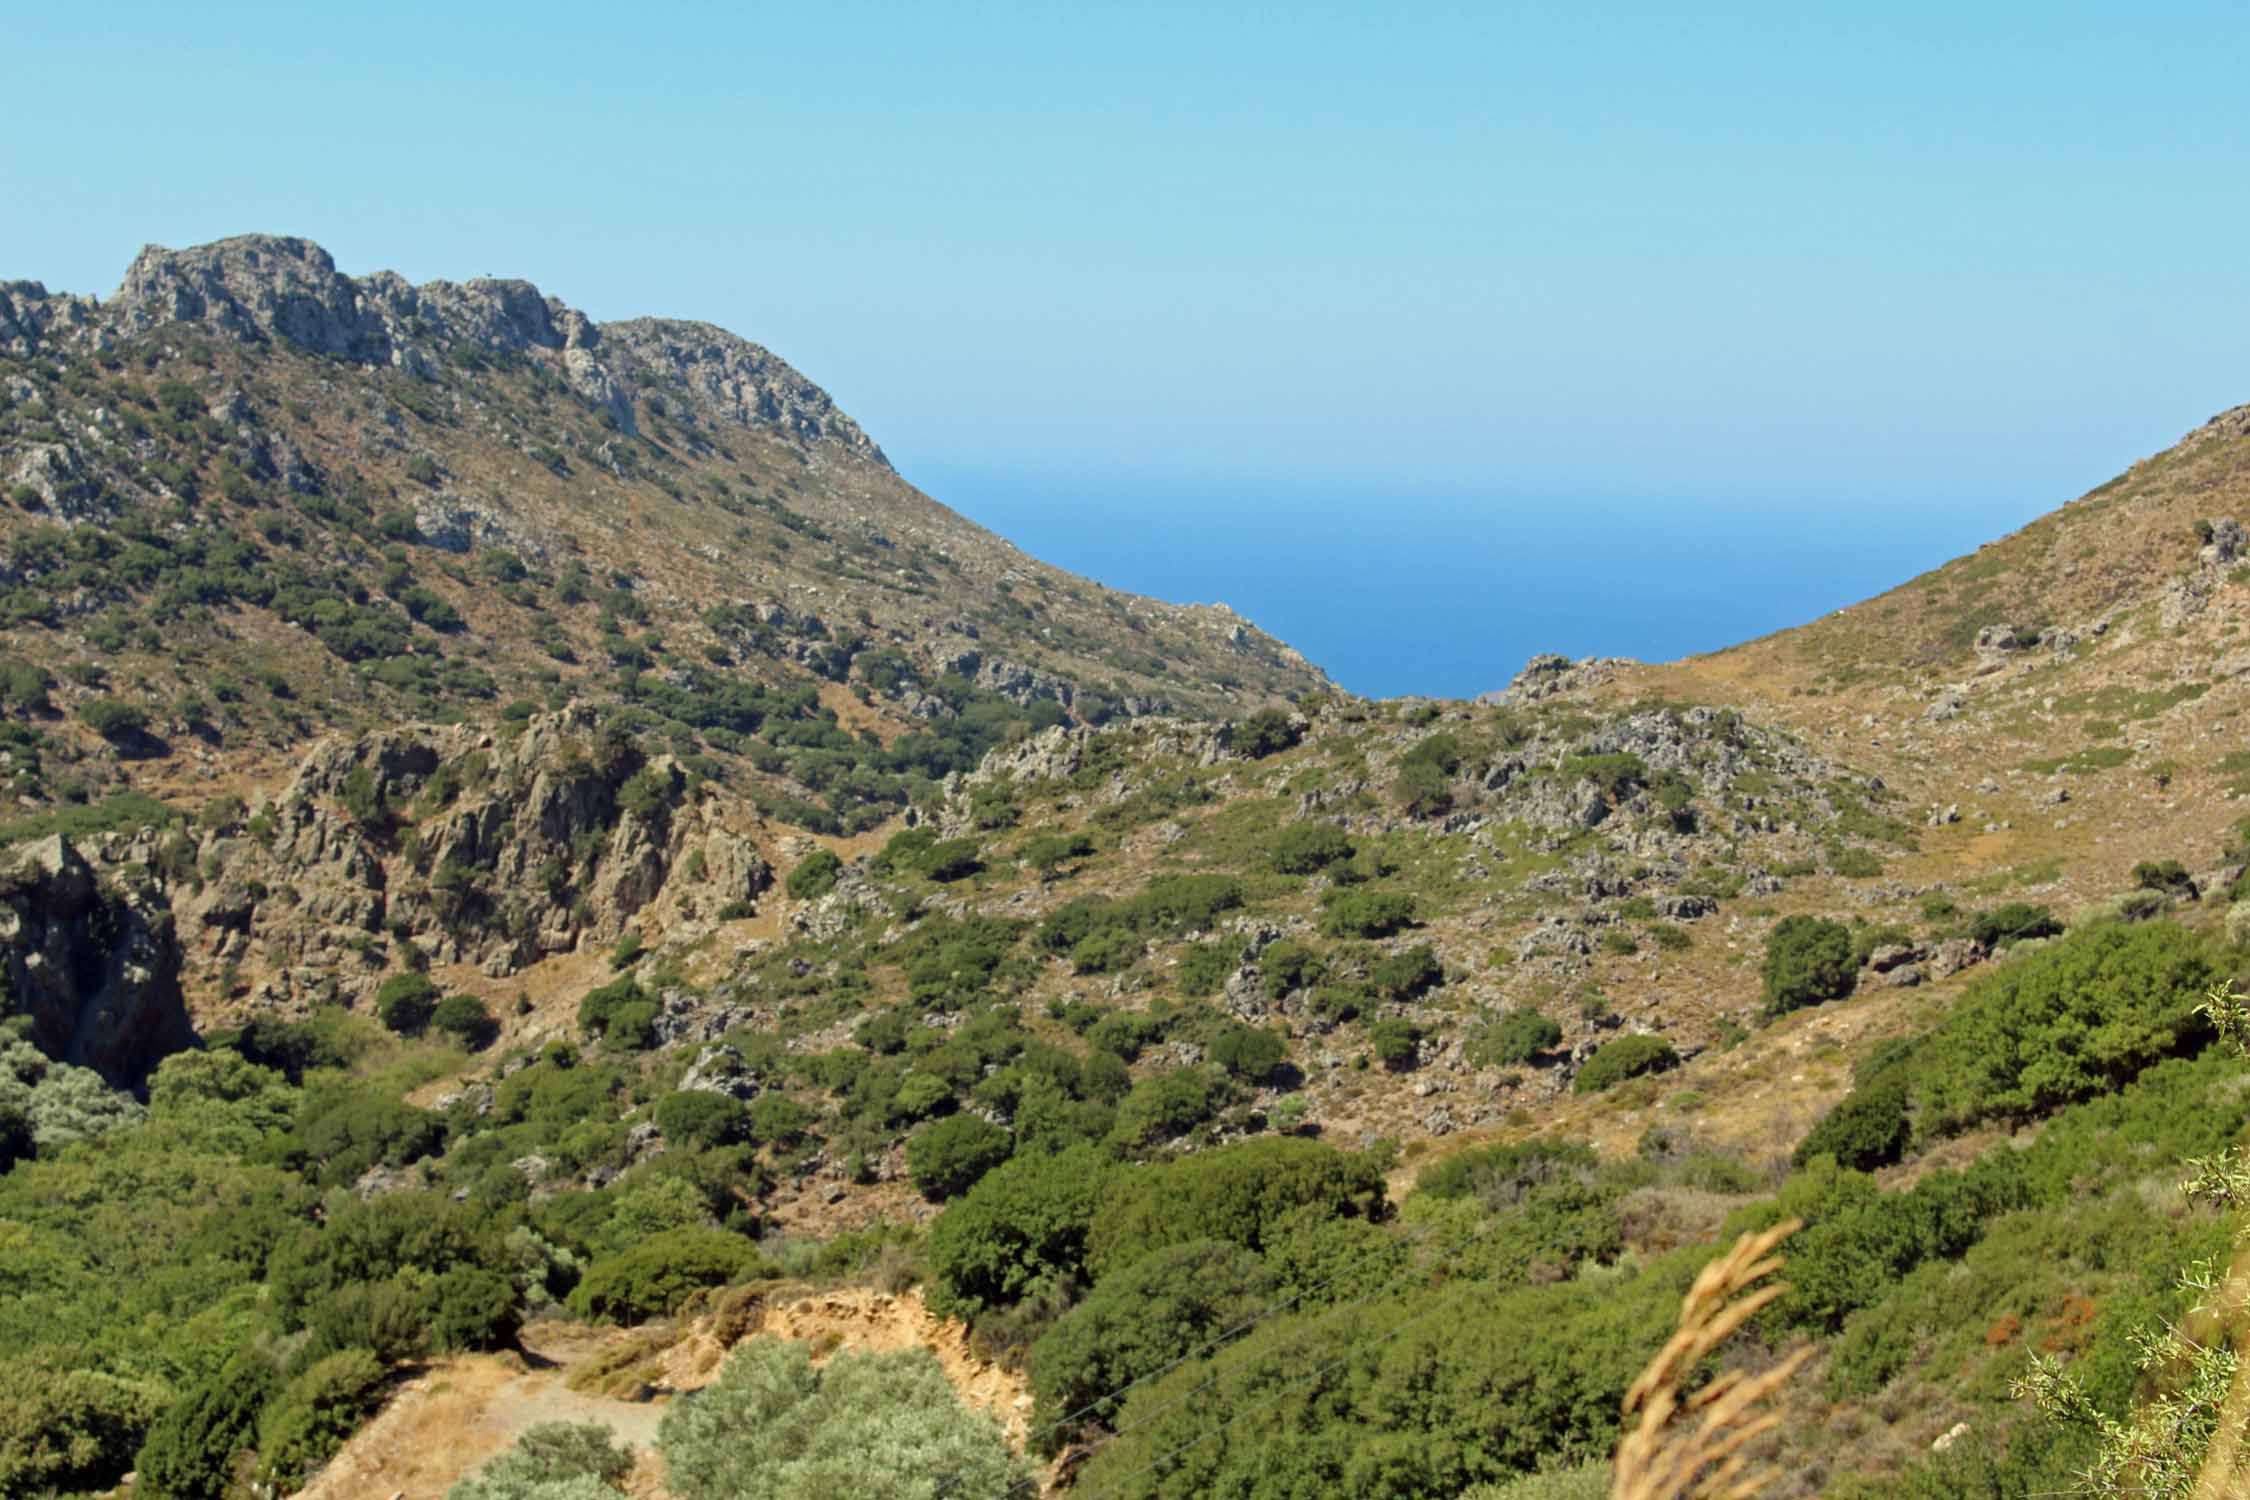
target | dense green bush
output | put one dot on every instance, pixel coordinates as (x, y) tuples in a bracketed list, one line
[(190, 1451), (2168, 877), (1289, 965), (1106, 950), (655, 1276), (1368, 913), (1136, 1323), (815, 876), (1867, 1129), (1020, 1230), (1163, 1107), (1395, 1041), (947, 1157), (474, 1307), (880, 1426), (552, 1461), (405, 1002), (1269, 731), (620, 1001), (2012, 923), (1250, 1053), (66, 1431), (949, 860), (1502, 1175), (1415, 1396), (1048, 852), (1307, 848), (1236, 1193), (343, 1129), (314, 1413), (1627, 1057), (2076, 1018), (465, 1019), (696, 1118), (1406, 974), (1514, 1038), (114, 720), (1808, 960)]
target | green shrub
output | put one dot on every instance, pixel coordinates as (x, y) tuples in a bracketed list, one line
[(1020, 1230), (1867, 1129), (598, 1011), (316, 1412), (1512, 1039), (700, 1118), (1237, 1193), (1050, 851), (1396, 1042), (1269, 731), (427, 607), (1308, 848), (363, 798), (190, 1451), (648, 794), (1162, 1107), (1503, 1175), (950, 860), (114, 720), (2072, 1020), (1808, 960), (1289, 965), (1251, 1053), (473, 1307), (67, 1431), (876, 1425), (2013, 923), (466, 1019), (1422, 789), (552, 1461), (1408, 973), (2169, 877), (657, 1275), (1627, 1057), (946, 1158), (1368, 914), (406, 1002), (815, 876), (1138, 1322), (1106, 950)]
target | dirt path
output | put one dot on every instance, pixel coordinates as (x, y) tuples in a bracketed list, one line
[(447, 1421)]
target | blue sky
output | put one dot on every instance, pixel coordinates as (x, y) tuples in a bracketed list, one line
[(1828, 292)]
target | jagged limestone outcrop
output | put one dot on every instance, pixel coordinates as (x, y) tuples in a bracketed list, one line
[(495, 847), (94, 963)]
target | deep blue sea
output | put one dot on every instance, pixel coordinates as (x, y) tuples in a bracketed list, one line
[(1449, 594)]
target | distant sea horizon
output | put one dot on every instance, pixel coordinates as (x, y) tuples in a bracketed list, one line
[(1404, 594)]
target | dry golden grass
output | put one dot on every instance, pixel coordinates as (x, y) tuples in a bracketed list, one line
[(1693, 1446)]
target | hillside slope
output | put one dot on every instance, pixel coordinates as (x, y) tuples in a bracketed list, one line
[(550, 797), (251, 498)]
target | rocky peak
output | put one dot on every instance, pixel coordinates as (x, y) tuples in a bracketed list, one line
[(282, 290)]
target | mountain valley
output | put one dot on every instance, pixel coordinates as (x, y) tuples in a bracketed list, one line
[(527, 823)]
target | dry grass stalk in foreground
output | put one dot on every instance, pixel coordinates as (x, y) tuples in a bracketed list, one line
[(1691, 1447)]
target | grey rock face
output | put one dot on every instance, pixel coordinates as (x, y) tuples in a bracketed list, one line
[(1550, 675), (272, 289), (2002, 640), (95, 966)]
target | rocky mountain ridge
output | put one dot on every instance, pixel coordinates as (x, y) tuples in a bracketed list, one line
[(269, 289), (340, 417)]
